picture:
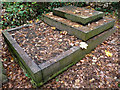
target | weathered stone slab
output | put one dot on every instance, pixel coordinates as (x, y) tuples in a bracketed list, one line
[(43, 72), (23, 59), (78, 30), (75, 14), (3, 77)]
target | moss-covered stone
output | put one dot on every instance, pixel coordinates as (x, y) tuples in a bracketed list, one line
[(76, 18), (78, 32), (3, 77)]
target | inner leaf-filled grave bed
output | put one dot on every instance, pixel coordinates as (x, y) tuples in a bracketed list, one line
[(42, 43)]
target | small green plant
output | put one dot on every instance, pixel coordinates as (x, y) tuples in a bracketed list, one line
[(17, 13)]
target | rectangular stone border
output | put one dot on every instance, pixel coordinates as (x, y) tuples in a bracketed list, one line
[(77, 18), (43, 72), (27, 63), (81, 34), (3, 77), (70, 57)]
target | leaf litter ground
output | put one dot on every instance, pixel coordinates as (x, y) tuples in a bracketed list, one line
[(94, 70)]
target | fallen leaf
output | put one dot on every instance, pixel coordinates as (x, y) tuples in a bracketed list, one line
[(88, 24), (82, 61), (94, 58), (75, 26), (92, 80), (62, 81), (71, 44), (63, 32), (60, 40), (83, 45), (117, 27), (93, 63), (90, 13), (76, 11), (26, 74), (31, 21), (13, 19), (108, 53), (57, 80), (77, 81), (1, 16), (99, 64), (89, 55), (5, 59), (53, 28), (93, 9), (47, 14), (37, 20)]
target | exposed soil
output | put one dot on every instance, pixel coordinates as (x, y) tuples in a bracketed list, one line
[(42, 43)]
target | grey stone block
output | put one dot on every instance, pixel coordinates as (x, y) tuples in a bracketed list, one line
[(83, 33), (75, 17)]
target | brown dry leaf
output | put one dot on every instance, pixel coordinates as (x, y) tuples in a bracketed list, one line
[(37, 20), (89, 55), (91, 80), (74, 12), (88, 7), (75, 26), (0, 30), (20, 78), (93, 9), (77, 82), (117, 27), (93, 51), (99, 64), (12, 59), (31, 21), (64, 32), (47, 14), (62, 81), (108, 53), (53, 28)]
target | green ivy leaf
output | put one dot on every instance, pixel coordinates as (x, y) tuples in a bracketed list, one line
[(21, 6), (1, 22), (26, 74), (21, 12), (5, 59), (12, 22), (13, 26), (33, 2), (5, 24), (7, 18), (106, 13), (57, 80), (119, 85)]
